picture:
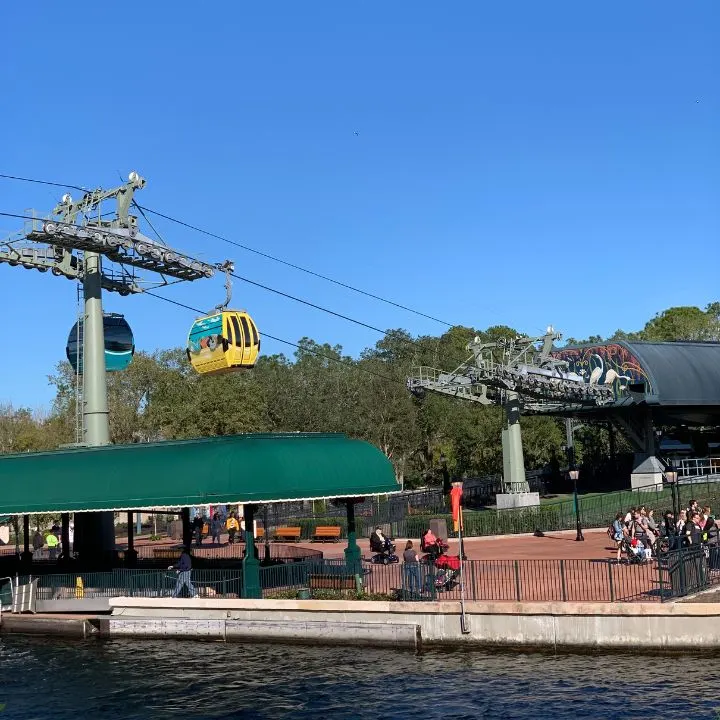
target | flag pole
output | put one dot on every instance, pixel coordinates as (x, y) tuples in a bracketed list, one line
[(463, 619)]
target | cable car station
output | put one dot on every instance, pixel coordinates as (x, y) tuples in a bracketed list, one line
[(247, 469)]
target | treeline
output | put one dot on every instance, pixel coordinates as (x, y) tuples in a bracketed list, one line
[(322, 390)]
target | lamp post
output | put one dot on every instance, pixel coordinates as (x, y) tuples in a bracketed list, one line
[(447, 486), (574, 475), (671, 475)]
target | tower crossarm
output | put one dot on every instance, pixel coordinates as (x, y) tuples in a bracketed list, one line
[(454, 384)]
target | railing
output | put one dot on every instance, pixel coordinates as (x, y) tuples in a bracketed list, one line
[(501, 580), (134, 583), (688, 570), (697, 467)]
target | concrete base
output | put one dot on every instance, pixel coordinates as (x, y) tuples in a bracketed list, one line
[(646, 627), (647, 474), (508, 501)]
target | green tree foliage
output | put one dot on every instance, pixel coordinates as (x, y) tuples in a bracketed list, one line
[(320, 389)]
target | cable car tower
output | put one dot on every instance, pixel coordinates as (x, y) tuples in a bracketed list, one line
[(518, 374), (102, 251)]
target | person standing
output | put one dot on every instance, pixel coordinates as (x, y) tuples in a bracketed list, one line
[(197, 525), (619, 531), (232, 526), (52, 543), (184, 571), (412, 569), (216, 526)]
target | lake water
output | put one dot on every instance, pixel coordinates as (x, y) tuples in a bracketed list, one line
[(154, 680)]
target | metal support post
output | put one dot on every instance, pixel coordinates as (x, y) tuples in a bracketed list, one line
[(574, 474), (65, 535), (352, 551), (26, 556), (95, 532), (515, 479), (250, 565), (186, 527), (97, 428), (266, 532), (130, 553)]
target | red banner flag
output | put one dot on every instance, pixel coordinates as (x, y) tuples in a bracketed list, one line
[(455, 498)]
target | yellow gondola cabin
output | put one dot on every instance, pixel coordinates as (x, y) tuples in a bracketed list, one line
[(224, 341)]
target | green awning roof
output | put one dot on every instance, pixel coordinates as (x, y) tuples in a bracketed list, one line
[(234, 469)]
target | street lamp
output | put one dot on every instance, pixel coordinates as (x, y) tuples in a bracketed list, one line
[(447, 486), (574, 475), (671, 475)]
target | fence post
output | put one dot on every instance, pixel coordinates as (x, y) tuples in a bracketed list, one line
[(610, 581), (472, 580), (562, 581), (517, 581)]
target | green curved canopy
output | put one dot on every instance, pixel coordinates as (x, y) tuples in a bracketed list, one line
[(233, 469)]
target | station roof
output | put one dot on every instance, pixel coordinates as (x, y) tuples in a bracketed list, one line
[(221, 470), (679, 380)]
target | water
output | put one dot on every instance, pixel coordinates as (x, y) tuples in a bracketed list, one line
[(155, 680)]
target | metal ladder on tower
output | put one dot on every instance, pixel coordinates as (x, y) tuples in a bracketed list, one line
[(79, 376)]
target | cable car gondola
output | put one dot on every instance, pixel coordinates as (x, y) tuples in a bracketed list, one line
[(119, 344), (224, 340)]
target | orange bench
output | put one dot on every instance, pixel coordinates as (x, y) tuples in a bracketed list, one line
[(260, 532), (332, 582), (288, 533), (327, 533)]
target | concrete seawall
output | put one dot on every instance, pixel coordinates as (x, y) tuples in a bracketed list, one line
[(554, 626), (551, 625)]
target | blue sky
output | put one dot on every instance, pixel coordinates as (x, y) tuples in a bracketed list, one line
[(521, 163)]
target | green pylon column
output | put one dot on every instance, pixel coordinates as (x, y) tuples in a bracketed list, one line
[(95, 532), (513, 459), (95, 411), (251, 565), (352, 551)]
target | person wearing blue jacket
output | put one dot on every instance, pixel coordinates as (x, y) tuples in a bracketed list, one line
[(184, 570)]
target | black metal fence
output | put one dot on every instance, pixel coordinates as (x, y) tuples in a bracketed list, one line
[(688, 570)]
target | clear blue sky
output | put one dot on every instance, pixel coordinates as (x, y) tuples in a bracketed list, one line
[(522, 163)]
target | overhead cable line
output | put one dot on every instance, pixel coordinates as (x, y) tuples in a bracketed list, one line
[(247, 248), (277, 339), (296, 267), (43, 182), (280, 293)]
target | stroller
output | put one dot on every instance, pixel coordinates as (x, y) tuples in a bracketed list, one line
[(448, 574), (384, 550), (636, 551)]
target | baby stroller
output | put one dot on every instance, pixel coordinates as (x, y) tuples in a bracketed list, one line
[(635, 550), (384, 550), (448, 574)]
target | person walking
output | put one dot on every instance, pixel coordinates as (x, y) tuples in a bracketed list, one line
[(411, 566), (184, 571), (232, 526)]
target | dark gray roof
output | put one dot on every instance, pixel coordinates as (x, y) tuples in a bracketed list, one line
[(681, 373)]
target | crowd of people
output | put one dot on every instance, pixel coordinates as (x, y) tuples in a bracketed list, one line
[(639, 530)]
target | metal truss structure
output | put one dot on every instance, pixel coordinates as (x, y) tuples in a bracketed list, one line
[(521, 375), (59, 242)]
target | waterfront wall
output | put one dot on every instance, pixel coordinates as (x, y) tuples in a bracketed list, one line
[(550, 625)]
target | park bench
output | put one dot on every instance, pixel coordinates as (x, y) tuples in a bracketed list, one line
[(332, 582), (260, 533), (327, 533), (288, 533)]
